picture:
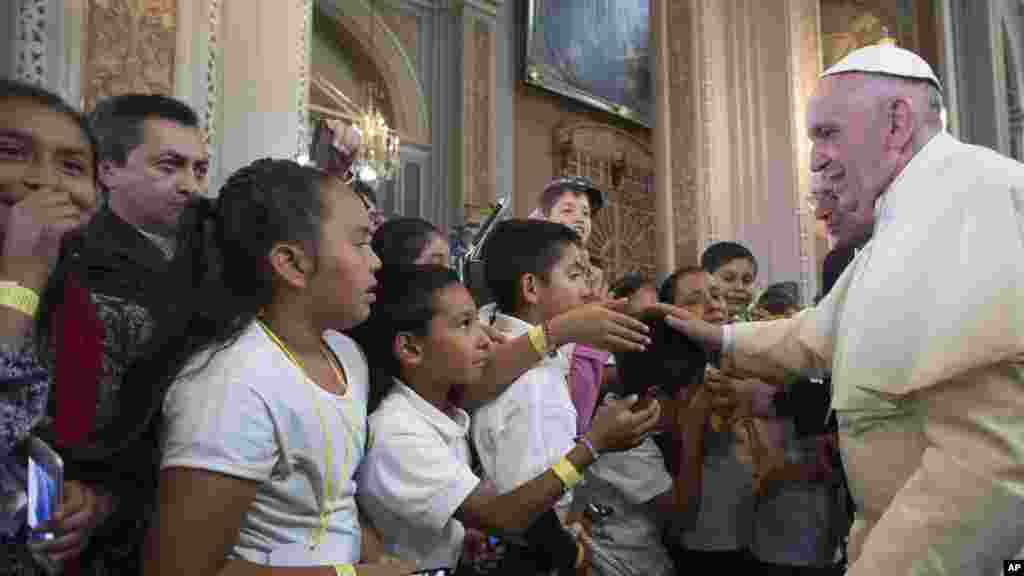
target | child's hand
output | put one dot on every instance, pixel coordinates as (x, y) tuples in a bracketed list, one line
[(617, 427), (603, 326)]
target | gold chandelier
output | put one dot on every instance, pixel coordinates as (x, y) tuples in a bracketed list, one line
[(375, 144), (377, 155), (365, 133)]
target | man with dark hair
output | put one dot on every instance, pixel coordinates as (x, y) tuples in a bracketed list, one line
[(152, 160)]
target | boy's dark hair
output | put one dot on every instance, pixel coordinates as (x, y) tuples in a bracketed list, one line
[(406, 302), (399, 242), (219, 279), (780, 298), (518, 247), (578, 186), (667, 292), (118, 121), (670, 362), (721, 253), (630, 284)]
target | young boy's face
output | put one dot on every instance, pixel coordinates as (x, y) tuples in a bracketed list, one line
[(573, 210), (736, 280), (567, 286)]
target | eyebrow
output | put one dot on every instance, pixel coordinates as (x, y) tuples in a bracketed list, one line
[(29, 137), (180, 158)]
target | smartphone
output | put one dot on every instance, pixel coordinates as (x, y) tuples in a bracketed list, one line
[(45, 481), (434, 572)]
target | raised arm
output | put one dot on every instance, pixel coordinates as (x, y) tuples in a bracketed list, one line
[(603, 326), (616, 427)]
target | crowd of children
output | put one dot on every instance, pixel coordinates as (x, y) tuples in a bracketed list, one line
[(329, 398)]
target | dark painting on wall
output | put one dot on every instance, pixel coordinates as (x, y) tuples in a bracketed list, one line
[(595, 51)]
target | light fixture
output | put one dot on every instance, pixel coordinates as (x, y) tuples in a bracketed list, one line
[(361, 132)]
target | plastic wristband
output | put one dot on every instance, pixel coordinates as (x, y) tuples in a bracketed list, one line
[(344, 570), (538, 339), (18, 297), (567, 473), (581, 553), (589, 446)]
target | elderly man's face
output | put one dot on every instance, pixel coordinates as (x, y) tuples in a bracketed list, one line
[(848, 222), (848, 126)]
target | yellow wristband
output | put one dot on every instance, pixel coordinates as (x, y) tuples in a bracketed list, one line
[(22, 299), (538, 340), (567, 473), (580, 554), (344, 570)]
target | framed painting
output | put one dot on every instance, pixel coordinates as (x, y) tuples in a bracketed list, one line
[(593, 51)]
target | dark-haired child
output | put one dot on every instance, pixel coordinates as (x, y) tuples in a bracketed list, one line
[(416, 483), (47, 191), (264, 419), (735, 271), (535, 271), (633, 496)]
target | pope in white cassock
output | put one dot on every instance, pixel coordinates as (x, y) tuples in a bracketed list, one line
[(924, 331)]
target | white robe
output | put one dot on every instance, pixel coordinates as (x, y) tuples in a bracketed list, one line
[(924, 335)]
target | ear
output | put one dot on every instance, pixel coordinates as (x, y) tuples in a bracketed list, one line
[(408, 349), (901, 124), (291, 263), (529, 289)]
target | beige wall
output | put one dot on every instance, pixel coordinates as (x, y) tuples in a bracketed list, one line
[(537, 115)]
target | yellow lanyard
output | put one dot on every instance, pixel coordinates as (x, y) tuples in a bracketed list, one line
[(331, 484)]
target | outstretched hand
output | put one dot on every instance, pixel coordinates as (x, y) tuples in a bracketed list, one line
[(601, 325), (704, 333)]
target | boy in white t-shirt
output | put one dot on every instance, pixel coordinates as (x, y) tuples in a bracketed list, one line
[(535, 271), (416, 484)]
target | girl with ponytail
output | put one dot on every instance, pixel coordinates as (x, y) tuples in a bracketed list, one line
[(263, 399)]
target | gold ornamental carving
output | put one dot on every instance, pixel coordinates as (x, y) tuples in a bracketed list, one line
[(129, 47)]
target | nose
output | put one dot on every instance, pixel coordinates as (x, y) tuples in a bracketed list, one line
[(375, 262), (188, 183), (819, 160)]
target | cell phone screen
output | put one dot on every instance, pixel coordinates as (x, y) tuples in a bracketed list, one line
[(45, 479)]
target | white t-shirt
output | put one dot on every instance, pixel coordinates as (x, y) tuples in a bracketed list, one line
[(253, 414), (531, 425), (628, 542), (415, 476)]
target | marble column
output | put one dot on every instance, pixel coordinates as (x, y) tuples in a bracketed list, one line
[(262, 86), (664, 240), (748, 69), (474, 179)]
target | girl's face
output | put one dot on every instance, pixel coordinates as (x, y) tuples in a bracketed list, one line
[(43, 151), (456, 345), (736, 280), (436, 253), (344, 279)]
